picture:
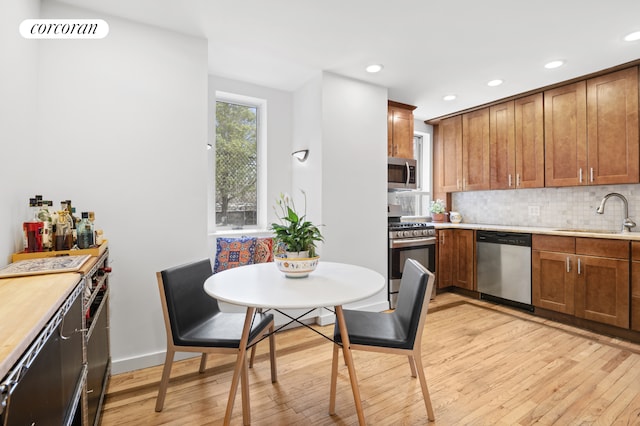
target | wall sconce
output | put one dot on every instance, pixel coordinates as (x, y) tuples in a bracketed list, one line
[(301, 155)]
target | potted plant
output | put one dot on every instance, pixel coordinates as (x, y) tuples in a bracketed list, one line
[(438, 210), (297, 235)]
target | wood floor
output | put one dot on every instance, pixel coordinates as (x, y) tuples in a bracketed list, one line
[(485, 364)]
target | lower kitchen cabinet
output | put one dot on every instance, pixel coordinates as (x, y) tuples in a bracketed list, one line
[(584, 277), (456, 258), (635, 285), (97, 348)]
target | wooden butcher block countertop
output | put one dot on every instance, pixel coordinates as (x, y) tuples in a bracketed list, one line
[(26, 305)]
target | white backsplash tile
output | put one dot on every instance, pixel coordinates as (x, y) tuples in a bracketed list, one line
[(573, 207)]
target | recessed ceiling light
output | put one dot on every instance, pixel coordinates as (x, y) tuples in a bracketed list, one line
[(449, 97), (374, 68), (494, 83), (632, 37), (554, 64)]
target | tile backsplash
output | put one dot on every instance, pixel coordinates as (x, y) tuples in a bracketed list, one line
[(573, 207)]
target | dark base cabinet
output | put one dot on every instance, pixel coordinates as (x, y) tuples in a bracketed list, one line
[(47, 387), (61, 379), (98, 362), (97, 352)]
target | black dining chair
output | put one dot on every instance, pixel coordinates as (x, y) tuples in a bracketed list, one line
[(194, 322), (396, 332)]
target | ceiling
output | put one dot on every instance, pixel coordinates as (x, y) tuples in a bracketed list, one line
[(429, 48)]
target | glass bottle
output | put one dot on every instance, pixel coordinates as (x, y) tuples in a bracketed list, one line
[(44, 216), (64, 234), (84, 231)]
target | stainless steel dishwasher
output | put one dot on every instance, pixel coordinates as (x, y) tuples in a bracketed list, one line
[(504, 267)]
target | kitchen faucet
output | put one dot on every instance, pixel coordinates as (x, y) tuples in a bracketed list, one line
[(627, 223)]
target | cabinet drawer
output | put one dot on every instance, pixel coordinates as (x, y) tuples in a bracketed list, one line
[(616, 249), (553, 243)]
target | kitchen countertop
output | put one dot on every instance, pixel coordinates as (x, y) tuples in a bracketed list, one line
[(28, 303), (631, 236)]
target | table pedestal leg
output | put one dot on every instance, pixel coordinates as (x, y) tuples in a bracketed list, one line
[(348, 359), (238, 371)]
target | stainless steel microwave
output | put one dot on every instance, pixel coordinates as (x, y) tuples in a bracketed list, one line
[(402, 173)]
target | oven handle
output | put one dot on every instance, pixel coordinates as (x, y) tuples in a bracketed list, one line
[(412, 242)]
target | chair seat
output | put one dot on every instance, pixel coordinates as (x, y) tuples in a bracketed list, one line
[(222, 330), (374, 329)]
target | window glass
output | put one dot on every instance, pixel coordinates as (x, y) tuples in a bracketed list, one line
[(236, 165)]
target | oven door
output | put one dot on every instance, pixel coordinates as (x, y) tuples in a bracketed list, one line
[(422, 250)]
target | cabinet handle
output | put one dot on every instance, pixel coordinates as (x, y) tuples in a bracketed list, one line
[(464, 183), (518, 180), (509, 180), (591, 174), (580, 174), (578, 266), (457, 183), (568, 264)]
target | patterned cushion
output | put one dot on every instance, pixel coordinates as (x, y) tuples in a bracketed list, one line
[(232, 252), (264, 250)]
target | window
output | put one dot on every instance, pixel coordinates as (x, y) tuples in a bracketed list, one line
[(237, 162)]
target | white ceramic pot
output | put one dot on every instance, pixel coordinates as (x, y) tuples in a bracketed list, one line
[(296, 267)]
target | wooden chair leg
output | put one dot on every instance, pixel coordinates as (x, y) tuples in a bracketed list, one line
[(203, 362), (423, 383), (252, 356), (334, 380), (244, 384), (272, 354), (412, 364), (164, 382)]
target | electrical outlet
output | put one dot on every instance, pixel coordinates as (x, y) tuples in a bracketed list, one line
[(534, 210)]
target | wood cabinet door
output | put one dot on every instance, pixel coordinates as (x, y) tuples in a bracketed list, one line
[(635, 296), (565, 133), (401, 134), (475, 150), (502, 146), (444, 270), (612, 120), (447, 154), (553, 281), (464, 260), (529, 141), (602, 290)]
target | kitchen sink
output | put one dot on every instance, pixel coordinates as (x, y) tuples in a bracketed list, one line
[(588, 231)]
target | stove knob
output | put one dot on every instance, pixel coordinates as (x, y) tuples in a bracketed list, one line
[(417, 233)]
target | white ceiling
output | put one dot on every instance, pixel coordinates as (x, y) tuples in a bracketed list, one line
[(429, 48)]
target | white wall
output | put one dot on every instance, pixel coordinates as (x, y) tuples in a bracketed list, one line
[(354, 158), (19, 161), (122, 131)]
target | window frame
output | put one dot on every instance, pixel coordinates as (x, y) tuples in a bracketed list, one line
[(261, 162)]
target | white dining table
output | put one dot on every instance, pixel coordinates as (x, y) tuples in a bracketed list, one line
[(262, 285)]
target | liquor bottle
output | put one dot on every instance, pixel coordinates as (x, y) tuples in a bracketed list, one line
[(44, 216), (85, 232), (64, 235)]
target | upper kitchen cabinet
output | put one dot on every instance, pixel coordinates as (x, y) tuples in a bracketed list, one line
[(502, 146), (612, 128), (565, 132), (475, 150), (447, 156), (591, 131), (461, 153), (400, 130), (517, 143)]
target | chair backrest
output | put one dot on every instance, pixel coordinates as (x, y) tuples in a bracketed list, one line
[(185, 303), (414, 295)]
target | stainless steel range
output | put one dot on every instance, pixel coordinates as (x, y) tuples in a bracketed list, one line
[(415, 240)]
